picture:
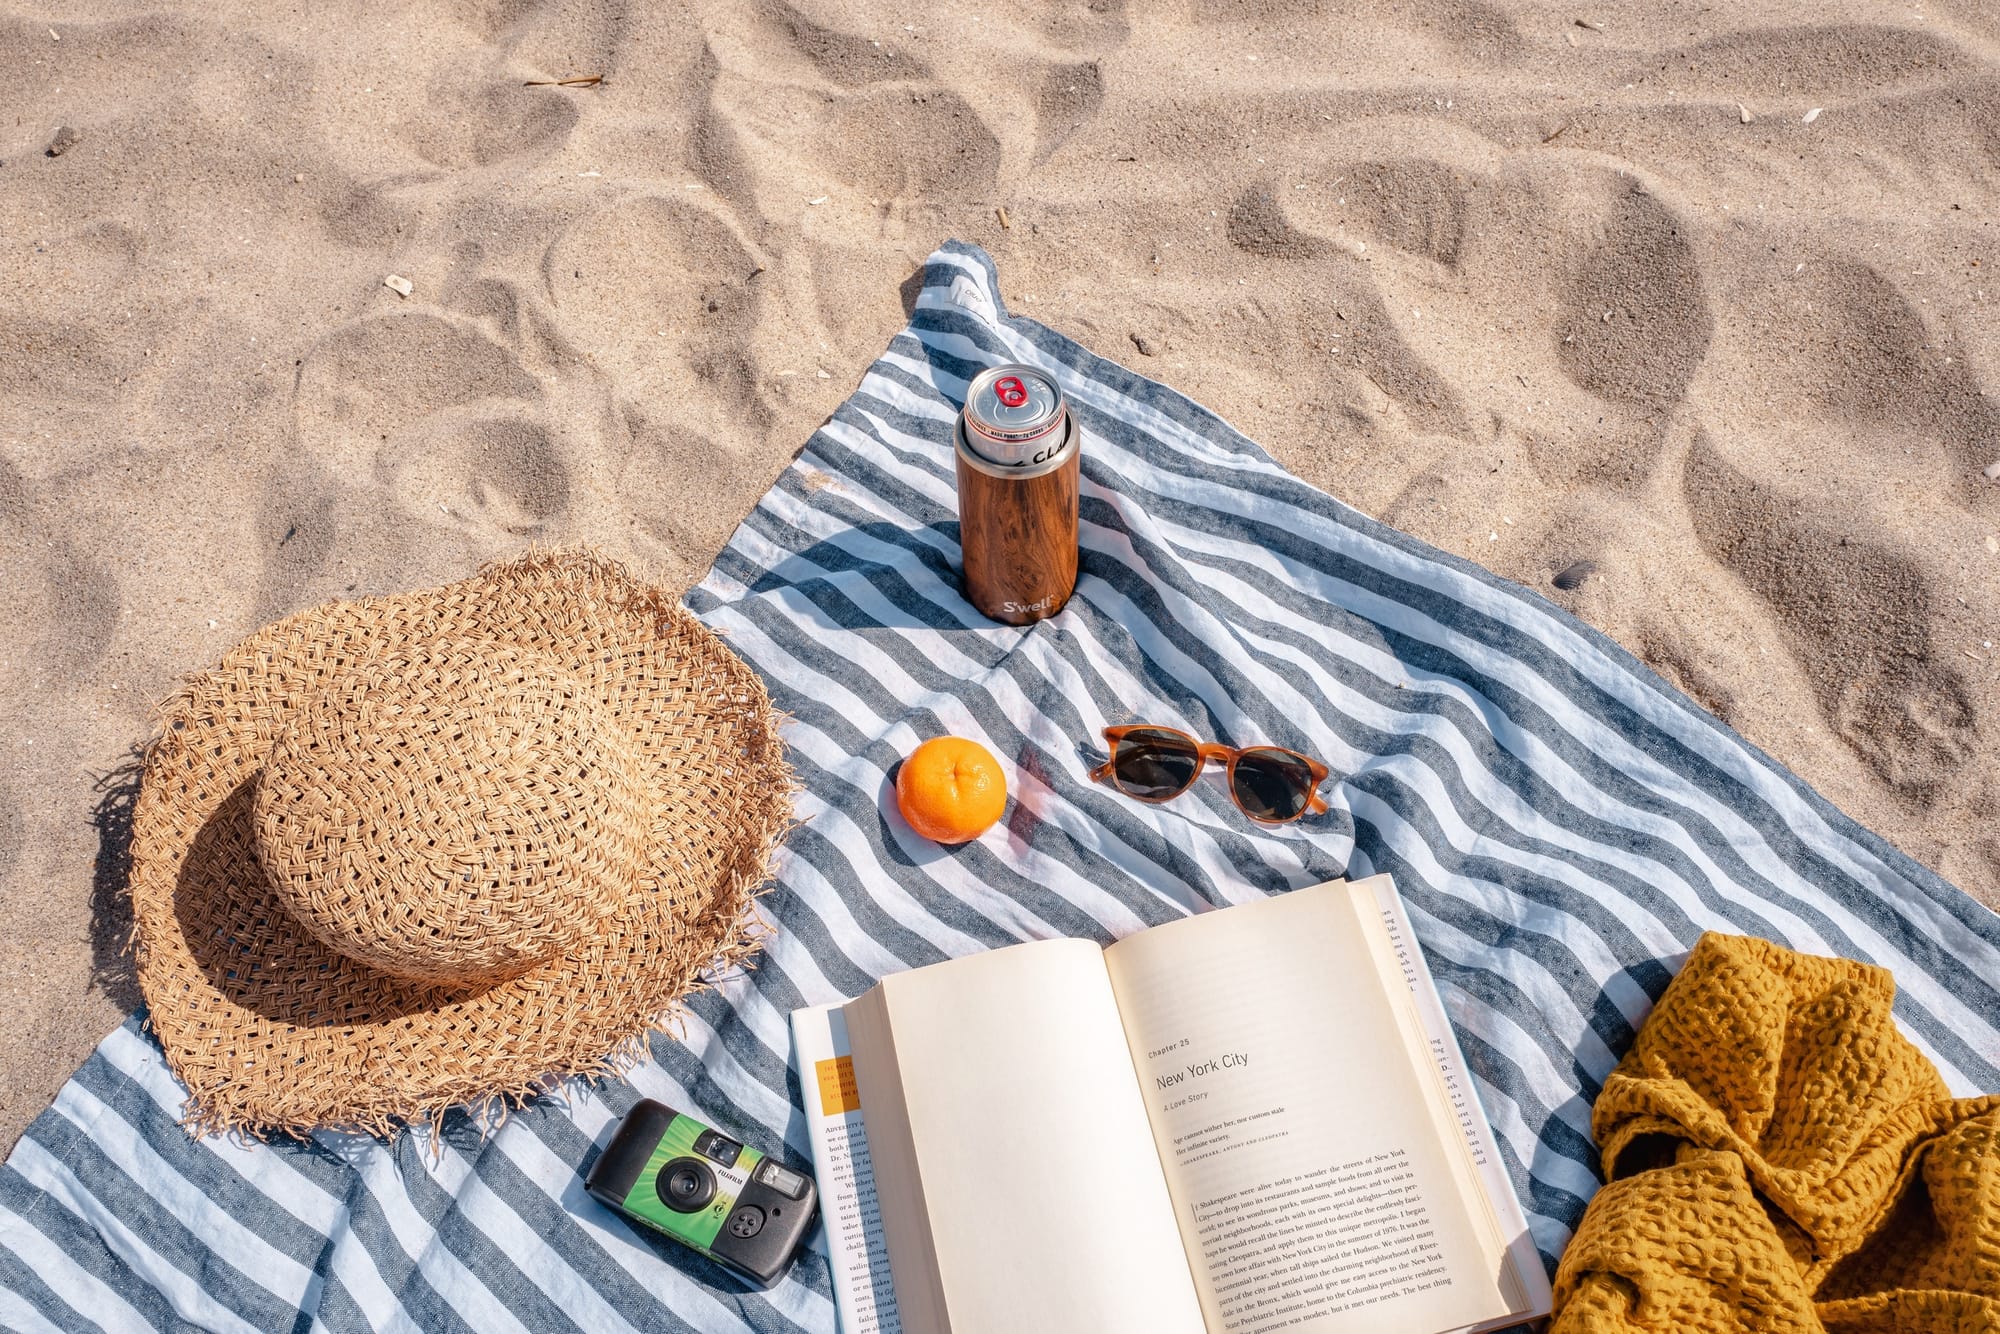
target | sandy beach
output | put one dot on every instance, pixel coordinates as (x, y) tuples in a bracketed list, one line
[(1690, 305)]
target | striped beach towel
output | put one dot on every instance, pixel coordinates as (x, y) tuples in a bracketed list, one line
[(1562, 825)]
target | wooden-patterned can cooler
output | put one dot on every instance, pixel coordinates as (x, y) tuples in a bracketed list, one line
[(1019, 462)]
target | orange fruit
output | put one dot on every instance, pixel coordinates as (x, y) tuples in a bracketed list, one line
[(951, 789)]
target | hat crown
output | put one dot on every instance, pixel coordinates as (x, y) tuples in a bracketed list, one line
[(455, 813)]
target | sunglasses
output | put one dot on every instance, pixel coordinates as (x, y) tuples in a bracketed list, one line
[(1270, 784)]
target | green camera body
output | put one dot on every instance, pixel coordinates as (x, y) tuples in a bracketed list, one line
[(747, 1212)]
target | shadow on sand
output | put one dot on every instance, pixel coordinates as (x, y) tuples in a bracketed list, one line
[(111, 969)]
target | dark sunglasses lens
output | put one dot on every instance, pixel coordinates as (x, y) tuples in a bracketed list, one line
[(1272, 784), (1150, 762)]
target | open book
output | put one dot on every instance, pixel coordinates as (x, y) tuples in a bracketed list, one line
[(1249, 1120)]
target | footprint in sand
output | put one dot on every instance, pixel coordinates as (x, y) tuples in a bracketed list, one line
[(445, 415), (1667, 648), (59, 346), (354, 212), (1857, 616), (1258, 225), (1096, 25), (366, 385), (685, 491), (66, 598), (845, 58), (1344, 328), (1468, 30), (1975, 862), (1417, 205), (1860, 354), (885, 126), (662, 299), (656, 292), (947, 152), (714, 149), (508, 472), (1832, 60), (1069, 96), (1637, 323), (562, 40), (478, 125), (485, 414), (476, 114)]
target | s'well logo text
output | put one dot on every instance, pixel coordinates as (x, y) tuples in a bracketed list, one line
[(1018, 608)]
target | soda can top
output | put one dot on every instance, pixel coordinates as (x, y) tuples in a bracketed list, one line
[(1012, 412)]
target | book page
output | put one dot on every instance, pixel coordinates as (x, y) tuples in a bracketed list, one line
[(1312, 1183), (1400, 957), (864, 1298), (1013, 1158)]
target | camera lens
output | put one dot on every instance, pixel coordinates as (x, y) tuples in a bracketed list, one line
[(685, 1185)]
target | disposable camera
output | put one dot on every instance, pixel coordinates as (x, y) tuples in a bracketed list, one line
[(746, 1212)]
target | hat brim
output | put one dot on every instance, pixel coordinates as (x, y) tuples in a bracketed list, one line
[(271, 1031)]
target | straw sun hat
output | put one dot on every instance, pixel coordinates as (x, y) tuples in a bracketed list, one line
[(414, 851)]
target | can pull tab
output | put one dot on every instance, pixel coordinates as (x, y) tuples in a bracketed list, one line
[(1010, 391)]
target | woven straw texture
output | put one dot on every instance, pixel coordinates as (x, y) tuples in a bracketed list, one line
[(1781, 1160), (408, 852)]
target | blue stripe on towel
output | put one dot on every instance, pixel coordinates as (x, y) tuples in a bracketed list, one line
[(1562, 824)]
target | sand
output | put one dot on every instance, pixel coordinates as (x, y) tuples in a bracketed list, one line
[(1539, 284)]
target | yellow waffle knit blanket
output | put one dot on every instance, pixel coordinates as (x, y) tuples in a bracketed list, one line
[(1780, 1158)]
